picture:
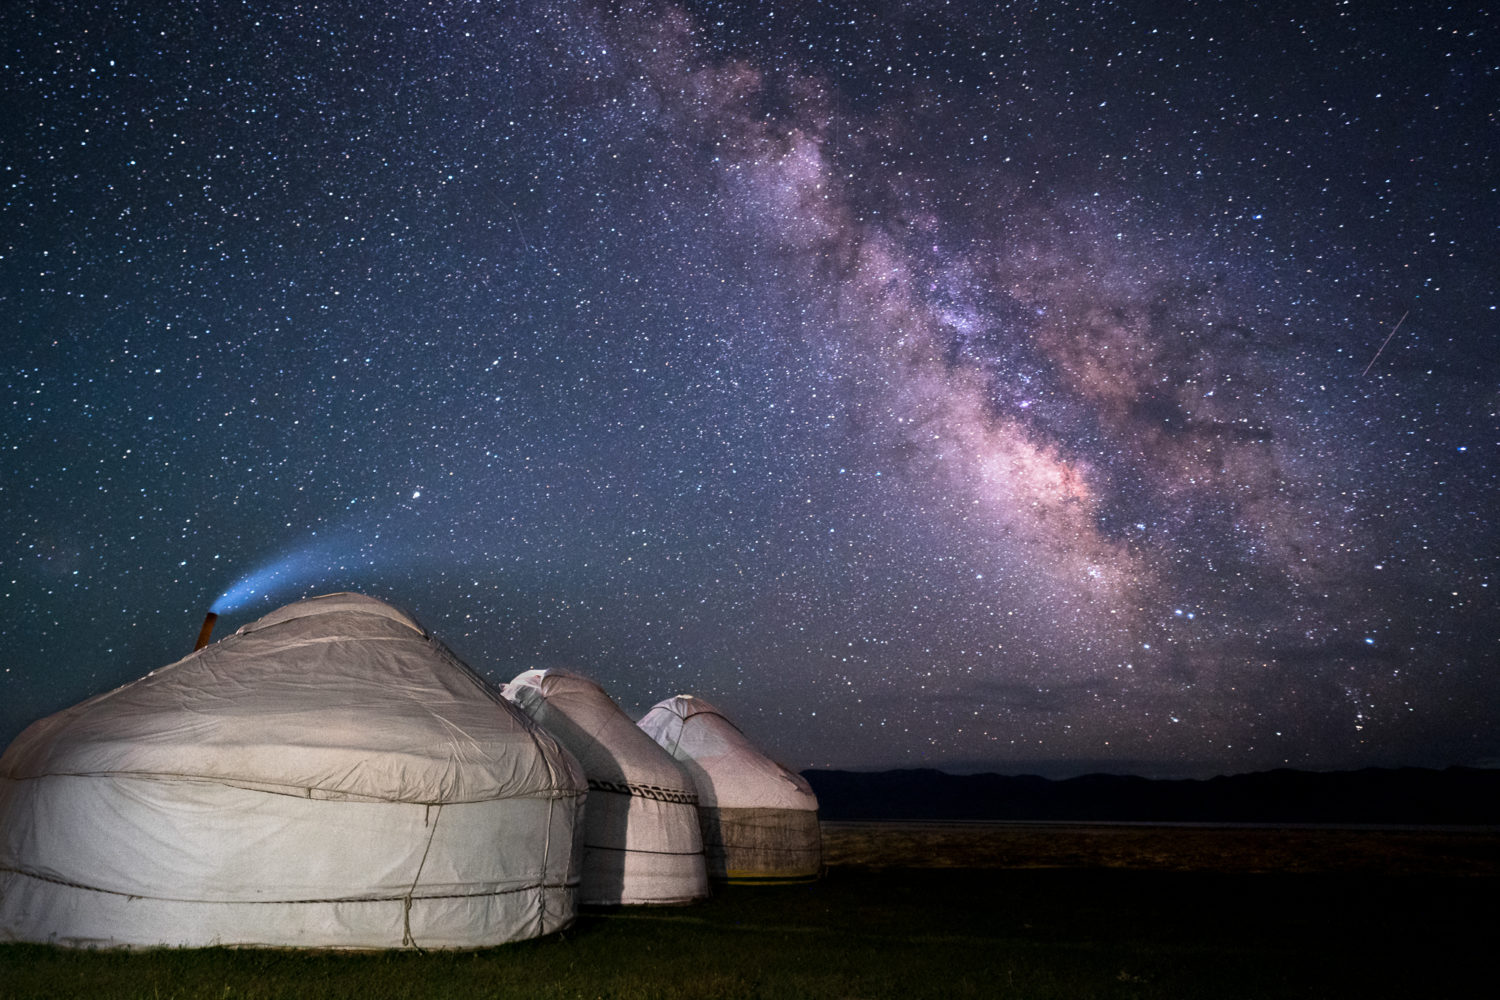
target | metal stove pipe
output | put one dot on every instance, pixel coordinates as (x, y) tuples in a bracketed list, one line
[(206, 631)]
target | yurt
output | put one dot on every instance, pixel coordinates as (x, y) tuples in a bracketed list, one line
[(329, 776), (759, 820), (641, 842)]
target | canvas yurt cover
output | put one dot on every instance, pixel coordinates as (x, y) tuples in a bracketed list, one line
[(328, 776), (641, 841), (759, 820)]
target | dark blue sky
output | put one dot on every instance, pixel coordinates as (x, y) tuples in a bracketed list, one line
[(957, 385)]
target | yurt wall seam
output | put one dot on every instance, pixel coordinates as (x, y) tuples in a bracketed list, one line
[(316, 901), (252, 785), (640, 850)]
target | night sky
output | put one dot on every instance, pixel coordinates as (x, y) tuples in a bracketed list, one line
[(1031, 387)]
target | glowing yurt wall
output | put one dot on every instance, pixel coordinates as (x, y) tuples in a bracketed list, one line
[(328, 776), (759, 820), (641, 838)]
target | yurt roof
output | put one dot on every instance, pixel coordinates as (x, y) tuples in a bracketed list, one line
[(340, 696), (586, 720), (728, 768)]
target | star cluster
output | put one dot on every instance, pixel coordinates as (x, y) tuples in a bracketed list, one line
[(1006, 386)]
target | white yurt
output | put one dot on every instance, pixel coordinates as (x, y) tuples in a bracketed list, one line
[(759, 820), (329, 776), (641, 842)]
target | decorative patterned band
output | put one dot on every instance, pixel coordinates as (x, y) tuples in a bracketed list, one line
[(644, 791)]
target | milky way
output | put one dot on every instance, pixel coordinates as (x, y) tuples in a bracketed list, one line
[(982, 388)]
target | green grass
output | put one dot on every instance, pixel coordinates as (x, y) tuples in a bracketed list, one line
[(898, 933)]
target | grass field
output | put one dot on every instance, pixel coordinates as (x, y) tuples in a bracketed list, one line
[(1126, 912)]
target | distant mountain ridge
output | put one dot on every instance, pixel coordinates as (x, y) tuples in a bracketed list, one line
[(1456, 795)]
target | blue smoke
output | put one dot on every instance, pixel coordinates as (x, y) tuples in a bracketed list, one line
[(407, 540), (317, 562)]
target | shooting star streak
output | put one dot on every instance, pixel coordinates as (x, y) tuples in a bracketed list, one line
[(1384, 342), (521, 234)]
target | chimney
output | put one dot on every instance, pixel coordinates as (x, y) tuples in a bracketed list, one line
[(206, 631)]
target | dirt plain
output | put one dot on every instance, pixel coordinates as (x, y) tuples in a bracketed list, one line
[(1229, 849)]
